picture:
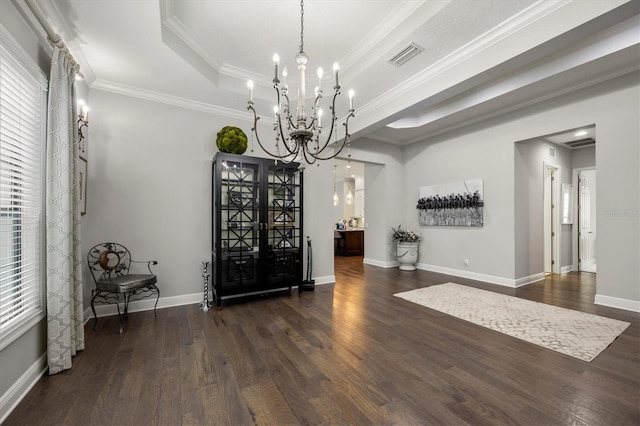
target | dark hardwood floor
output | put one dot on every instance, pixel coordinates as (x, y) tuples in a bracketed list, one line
[(348, 353)]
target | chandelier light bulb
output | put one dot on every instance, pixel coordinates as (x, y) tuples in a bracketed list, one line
[(276, 60), (250, 86), (351, 95), (336, 200), (336, 68)]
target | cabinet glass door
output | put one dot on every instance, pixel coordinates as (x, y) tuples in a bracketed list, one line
[(284, 226), (240, 223)]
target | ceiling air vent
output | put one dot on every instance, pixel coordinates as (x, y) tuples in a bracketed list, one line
[(405, 54), (581, 143)]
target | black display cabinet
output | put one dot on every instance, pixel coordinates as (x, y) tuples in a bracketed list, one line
[(257, 226)]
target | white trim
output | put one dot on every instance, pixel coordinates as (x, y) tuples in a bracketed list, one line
[(329, 279), (380, 263), (105, 310), (23, 324), (20, 56), (616, 302), (22, 386), (566, 269), (144, 305), (507, 282), (519, 282), (555, 212), (163, 98)]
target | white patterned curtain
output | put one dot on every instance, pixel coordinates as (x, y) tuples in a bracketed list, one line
[(65, 332)]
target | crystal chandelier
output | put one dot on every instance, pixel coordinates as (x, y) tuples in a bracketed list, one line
[(299, 136)]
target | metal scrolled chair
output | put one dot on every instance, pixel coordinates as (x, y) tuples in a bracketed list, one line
[(109, 264)]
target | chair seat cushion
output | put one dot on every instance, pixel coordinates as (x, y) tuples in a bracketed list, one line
[(126, 283)]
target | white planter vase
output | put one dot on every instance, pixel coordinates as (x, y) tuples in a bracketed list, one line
[(407, 254)]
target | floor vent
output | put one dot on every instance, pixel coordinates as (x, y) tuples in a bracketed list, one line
[(581, 143), (405, 54)]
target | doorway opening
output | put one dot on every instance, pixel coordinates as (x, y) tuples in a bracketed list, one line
[(349, 209)]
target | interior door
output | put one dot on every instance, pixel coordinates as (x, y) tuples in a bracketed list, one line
[(587, 221)]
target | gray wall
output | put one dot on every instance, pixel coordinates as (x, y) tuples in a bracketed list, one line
[(150, 188), (487, 151)]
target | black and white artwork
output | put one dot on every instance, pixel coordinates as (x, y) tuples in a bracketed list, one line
[(451, 204)]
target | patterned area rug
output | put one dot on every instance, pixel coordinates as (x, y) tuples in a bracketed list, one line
[(570, 332)]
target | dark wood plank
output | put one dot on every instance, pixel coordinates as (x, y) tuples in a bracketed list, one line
[(349, 353)]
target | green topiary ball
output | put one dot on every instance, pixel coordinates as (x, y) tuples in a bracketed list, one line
[(232, 140)]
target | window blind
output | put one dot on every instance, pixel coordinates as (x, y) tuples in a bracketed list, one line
[(21, 195)]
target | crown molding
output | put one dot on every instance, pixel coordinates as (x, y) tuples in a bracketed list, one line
[(163, 98)]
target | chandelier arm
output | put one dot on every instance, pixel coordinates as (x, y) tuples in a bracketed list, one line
[(255, 132), (278, 128), (309, 157), (315, 111), (287, 109), (346, 138), (333, 120)]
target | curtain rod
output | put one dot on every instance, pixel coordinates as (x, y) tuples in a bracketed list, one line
[(53, 38)]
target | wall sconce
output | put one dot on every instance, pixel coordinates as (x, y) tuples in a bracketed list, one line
[(83, 121)]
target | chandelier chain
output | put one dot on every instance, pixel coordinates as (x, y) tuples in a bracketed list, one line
[(301, 26)]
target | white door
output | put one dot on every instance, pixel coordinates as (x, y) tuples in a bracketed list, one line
[(587, 221)]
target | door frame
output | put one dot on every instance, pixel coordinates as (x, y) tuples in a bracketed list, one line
[(555, 216)]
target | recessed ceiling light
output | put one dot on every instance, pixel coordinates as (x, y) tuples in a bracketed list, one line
[(581, 133)]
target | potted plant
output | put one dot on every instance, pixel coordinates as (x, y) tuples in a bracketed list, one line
[(407, 241), (232, 140)]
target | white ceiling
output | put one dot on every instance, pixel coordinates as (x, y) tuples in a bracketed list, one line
[(481, 57)]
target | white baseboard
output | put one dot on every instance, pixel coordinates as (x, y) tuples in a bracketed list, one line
[(507, 282), (145, 305), (329, 279), (21, 387), (530, 279), (167, 302), (615, 302), (380, 263), (566, 269)]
